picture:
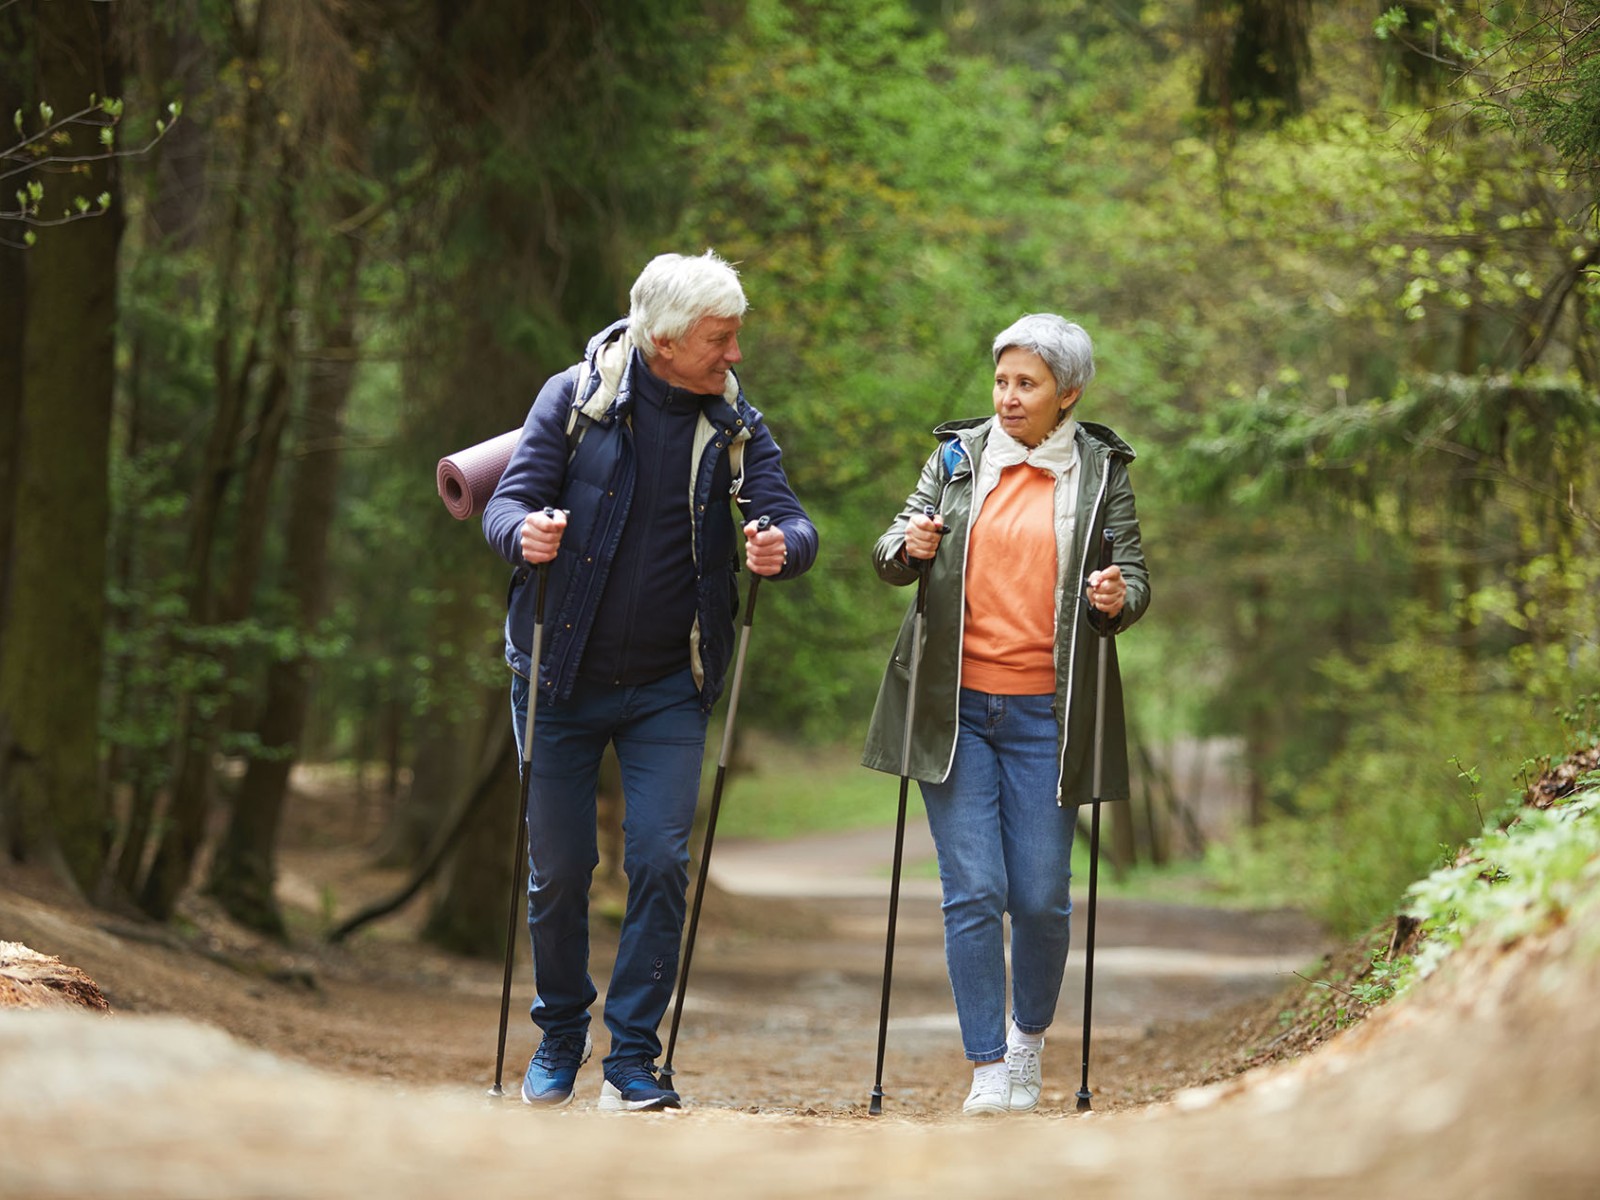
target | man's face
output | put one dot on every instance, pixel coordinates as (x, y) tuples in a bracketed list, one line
[(698, 361)]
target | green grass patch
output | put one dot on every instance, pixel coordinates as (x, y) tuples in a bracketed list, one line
[(777, 790)]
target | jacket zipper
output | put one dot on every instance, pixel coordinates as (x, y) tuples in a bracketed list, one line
[(590, 599), (961, 610), (1072, 653)]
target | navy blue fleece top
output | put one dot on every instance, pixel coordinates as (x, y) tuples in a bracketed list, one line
[(641, 629)]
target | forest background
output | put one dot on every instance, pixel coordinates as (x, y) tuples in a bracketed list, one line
[(264, 262)]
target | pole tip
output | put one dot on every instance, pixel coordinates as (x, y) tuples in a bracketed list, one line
[(1083, 1100), (875, 1105), (495, 1093)]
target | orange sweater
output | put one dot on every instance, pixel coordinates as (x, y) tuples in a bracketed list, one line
[(1008, 648)]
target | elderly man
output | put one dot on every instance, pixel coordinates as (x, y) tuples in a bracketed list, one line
[(622, 482)]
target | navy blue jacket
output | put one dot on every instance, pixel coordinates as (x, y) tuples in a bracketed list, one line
[(596, 488)]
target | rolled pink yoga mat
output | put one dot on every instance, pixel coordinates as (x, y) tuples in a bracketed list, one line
[(467, 478)]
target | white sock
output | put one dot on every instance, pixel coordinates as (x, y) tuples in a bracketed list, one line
[(1032, 1041), (997, 1070)]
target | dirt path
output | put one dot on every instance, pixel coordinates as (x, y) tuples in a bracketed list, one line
[(811, 1000), (780, 1016), (362, 1069)]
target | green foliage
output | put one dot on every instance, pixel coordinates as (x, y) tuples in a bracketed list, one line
[(1543, 73), (882, 194), (1356, 354), (1513, 882), (161, 664), (49, 146), (1385, 806), (1580, 724), (1383, 980)]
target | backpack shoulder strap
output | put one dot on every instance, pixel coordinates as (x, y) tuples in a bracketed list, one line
[(577, 422), (736, 465), (951, 454), (576, 402)]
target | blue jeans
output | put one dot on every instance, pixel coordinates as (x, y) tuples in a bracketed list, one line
[(1004, 846), (659, 733)]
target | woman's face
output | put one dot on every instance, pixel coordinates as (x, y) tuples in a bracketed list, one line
[(1025, 397)]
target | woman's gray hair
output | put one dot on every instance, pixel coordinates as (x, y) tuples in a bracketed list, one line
[(674, 291), (1065, 347)]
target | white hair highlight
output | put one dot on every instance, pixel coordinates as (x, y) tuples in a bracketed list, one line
[(1065, 347), (674, 291)]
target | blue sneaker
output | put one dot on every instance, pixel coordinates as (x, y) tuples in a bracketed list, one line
[(553, 1070), (633, 1087)]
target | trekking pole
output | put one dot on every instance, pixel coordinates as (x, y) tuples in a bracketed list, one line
[(1084, 1094), (711, 818), (519, 864), (875, 1106)]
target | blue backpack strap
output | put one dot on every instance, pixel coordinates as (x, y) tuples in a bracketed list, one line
[(951, 455)]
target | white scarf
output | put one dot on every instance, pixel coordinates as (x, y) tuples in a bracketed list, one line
[(1057, 454)]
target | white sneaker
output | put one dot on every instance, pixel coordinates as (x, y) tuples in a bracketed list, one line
[(1027, 1080), (991, 1091)]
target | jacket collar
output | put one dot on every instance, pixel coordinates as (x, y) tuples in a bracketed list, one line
[(1097, 440)]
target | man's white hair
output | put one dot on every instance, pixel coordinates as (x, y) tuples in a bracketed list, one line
[(674, 291)]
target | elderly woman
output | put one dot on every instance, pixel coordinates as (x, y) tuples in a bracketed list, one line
[(1004, 716)]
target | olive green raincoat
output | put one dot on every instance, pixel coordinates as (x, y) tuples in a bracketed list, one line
[(1105, 500)]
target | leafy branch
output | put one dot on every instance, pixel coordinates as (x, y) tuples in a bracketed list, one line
[(50, 149)]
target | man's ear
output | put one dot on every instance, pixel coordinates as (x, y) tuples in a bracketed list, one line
[(664, 346)]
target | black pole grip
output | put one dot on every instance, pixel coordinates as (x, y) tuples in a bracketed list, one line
[(921, 565), (1107, 541), (762, 523)]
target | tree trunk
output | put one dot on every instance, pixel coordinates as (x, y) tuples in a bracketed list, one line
[(1258, 722), (438, 758), (1124, 850), (1415, 63), (246, 864), (184, 829), (1254, 55), (15, 71), (469, 914), (54, 624), (178, 61), (438, 762)]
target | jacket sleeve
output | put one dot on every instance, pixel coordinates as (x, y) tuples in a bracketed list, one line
[(767, 490), (536, 472), (887, 558), (1128, 553)]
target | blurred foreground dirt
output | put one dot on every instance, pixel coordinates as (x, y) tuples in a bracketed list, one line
[(232, 1068)]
